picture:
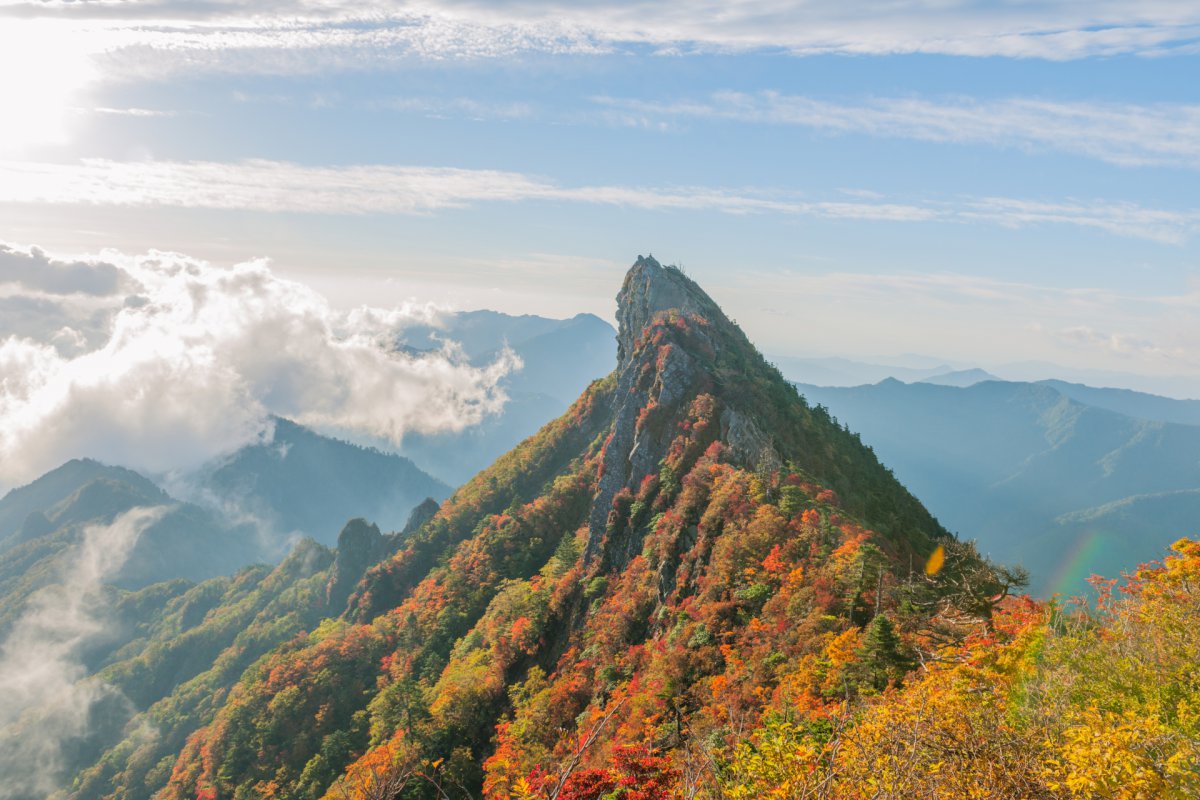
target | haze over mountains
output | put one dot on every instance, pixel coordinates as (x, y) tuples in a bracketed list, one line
[(253, 503), (1034, 471), (299, 482), (840, 371), (43, 524), (1066, 479), (251, 506)]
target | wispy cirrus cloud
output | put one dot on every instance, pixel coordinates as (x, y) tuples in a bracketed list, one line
[(131, 112), (1165, 134), (277, 186), (284, 187), (1118, 218), (340, 33)]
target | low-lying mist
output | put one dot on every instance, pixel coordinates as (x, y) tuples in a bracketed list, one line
[(46, 700)]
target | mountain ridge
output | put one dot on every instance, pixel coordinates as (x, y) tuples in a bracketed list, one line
[(633, 529)]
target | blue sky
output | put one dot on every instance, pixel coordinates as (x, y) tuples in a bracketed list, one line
[(987, 183)]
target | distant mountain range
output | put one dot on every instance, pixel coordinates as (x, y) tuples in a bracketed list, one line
[(560, 357), (1066, 479), (1062, 477), (960, 377), (42, 524), (248, 507), (838, 371)]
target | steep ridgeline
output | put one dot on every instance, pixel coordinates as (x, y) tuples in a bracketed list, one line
[(688, 550)]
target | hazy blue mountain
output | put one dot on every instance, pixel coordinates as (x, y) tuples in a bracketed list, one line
[(961, 377), (561, 357), (1182, 386), (480, 332), (52, 488), (1038, 477), (560, 362), (836, 371), (301, 481), (185, 541), (248, 505), (1131, 403)]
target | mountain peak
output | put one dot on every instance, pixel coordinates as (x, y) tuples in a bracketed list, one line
[(651, 289), (688, 378)]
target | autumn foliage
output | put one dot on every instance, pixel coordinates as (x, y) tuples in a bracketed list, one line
[(734, 620)]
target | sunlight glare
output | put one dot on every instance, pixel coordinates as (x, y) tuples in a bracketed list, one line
[(44, 65)]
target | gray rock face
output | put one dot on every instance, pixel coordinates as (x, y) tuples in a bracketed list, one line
[(360, 544), (421, 514), (747, 443), (665, 381), (616, 468), (651, 288)]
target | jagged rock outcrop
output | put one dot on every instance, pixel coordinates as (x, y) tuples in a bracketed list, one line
[(421, 513), (660, 379), (651, 289), (359, 545)]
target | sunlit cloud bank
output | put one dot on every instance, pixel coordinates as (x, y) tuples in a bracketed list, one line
[(283, 187), (194, 361), (45, 703)]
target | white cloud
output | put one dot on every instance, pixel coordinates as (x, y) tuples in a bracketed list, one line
[(1126, 134), (45, 701), (195, 367), (1117, 343), (131, 112), (33, 269), (71, 325), (466, 107), (262, 186), (1121, 219), (281, 187), (306, 36)]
